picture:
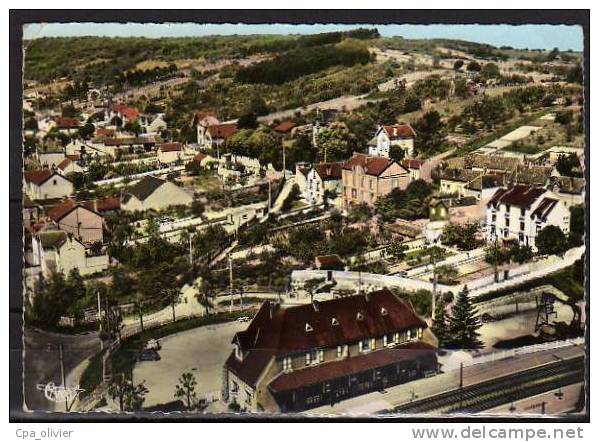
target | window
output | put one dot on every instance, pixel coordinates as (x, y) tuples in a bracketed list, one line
[(359, 316), (384, 311), (389, 340), (521, 237), (341, 351), (507, 209), (287, 363), (314, 356), (522, 211), (248, 397), (505, 232), (334, 321), (522, 225), (507, 221), (354, 193), (54, 182), (366, 345), (494, 217), (308, 327), (234, 387)]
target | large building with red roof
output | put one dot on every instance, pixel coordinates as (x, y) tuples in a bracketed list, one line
[(301, 357), (519, 213), (366, 178)]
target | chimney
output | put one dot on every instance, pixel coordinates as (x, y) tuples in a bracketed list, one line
[(316, 305)]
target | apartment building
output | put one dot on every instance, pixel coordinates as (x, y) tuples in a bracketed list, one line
[(366, 178), (521, 212)]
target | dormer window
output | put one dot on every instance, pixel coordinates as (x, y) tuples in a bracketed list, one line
[(334, 322), (384, 311), (359, 316), (308, 328)]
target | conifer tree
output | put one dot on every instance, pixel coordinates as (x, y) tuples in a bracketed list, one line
[(464, 322), (440, 327)]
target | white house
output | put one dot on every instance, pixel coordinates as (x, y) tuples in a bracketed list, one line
[(152, 124), (521, 212), (169, 153), (215, 135), (46, 184), (154, 193), (60, 252), (67, 166), (401, 135), (320, 178)]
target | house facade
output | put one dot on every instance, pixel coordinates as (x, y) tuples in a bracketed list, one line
[(46, 184), (169, 153), (521, 212), (367, 178), (85, 224), (401, 135), (291, 359), (154, 193), (322, 178), (59, 252)]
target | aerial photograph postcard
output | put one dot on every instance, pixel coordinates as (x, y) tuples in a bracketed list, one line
[(308, 220)]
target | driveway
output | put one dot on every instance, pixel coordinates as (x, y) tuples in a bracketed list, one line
[(201, 351)]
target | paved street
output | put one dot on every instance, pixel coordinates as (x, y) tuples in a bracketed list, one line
[(41, 364), (202, 351)]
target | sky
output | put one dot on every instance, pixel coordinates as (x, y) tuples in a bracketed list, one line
[(563, 37)]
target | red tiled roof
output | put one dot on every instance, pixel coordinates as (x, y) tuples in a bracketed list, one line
[(64, 163), (61, 210), (73, 157), (350, 366), (329, 171), (519, 196), (372, 165), (251, 367), (67, 122), (130, 113), (104, 132), (285, 127), (38, 177), (400, 131), (222, 131), (204, 114), (200, 157), (329, 261), (170, 147), (286, 331), (411, 163), (103, 204)]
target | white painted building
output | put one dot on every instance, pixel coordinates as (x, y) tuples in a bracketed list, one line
[(401, 135), (521, 212), (46, 184), (320, 178), (154, 193)]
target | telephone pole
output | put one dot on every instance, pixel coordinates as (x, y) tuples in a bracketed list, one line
[(231, 282), (100, 320), (62, 375), (434, 294)]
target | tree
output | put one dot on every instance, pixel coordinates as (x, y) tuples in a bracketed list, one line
[(473, 66), (430, 130), (335, 142), (130, 397), (311, 285), (172, 295), (247, 121), (139, 305), (462, 236), (86, 131), (489, 70), (185, 389), (396, 153), (397, 251), (464, 322), (440, 326), (457, 65), (551, 241)]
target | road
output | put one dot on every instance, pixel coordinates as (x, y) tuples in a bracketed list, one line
[(41, 361)]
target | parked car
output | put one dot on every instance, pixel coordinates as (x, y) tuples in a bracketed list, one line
[(149, 355), (243, 319)]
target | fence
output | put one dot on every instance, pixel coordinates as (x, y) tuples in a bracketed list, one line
[(504, 354)]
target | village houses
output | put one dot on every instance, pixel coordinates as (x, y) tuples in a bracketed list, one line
[(401, 135), (154, 193), (46, 184)]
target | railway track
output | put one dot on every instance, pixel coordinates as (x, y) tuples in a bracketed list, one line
[(503, 390)]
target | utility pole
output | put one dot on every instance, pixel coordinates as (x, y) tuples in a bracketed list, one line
[(461, 383), (231, 282), (100, 321), (62, 376), (269, 195), (434, 294), (284, 174), (190, 250)]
